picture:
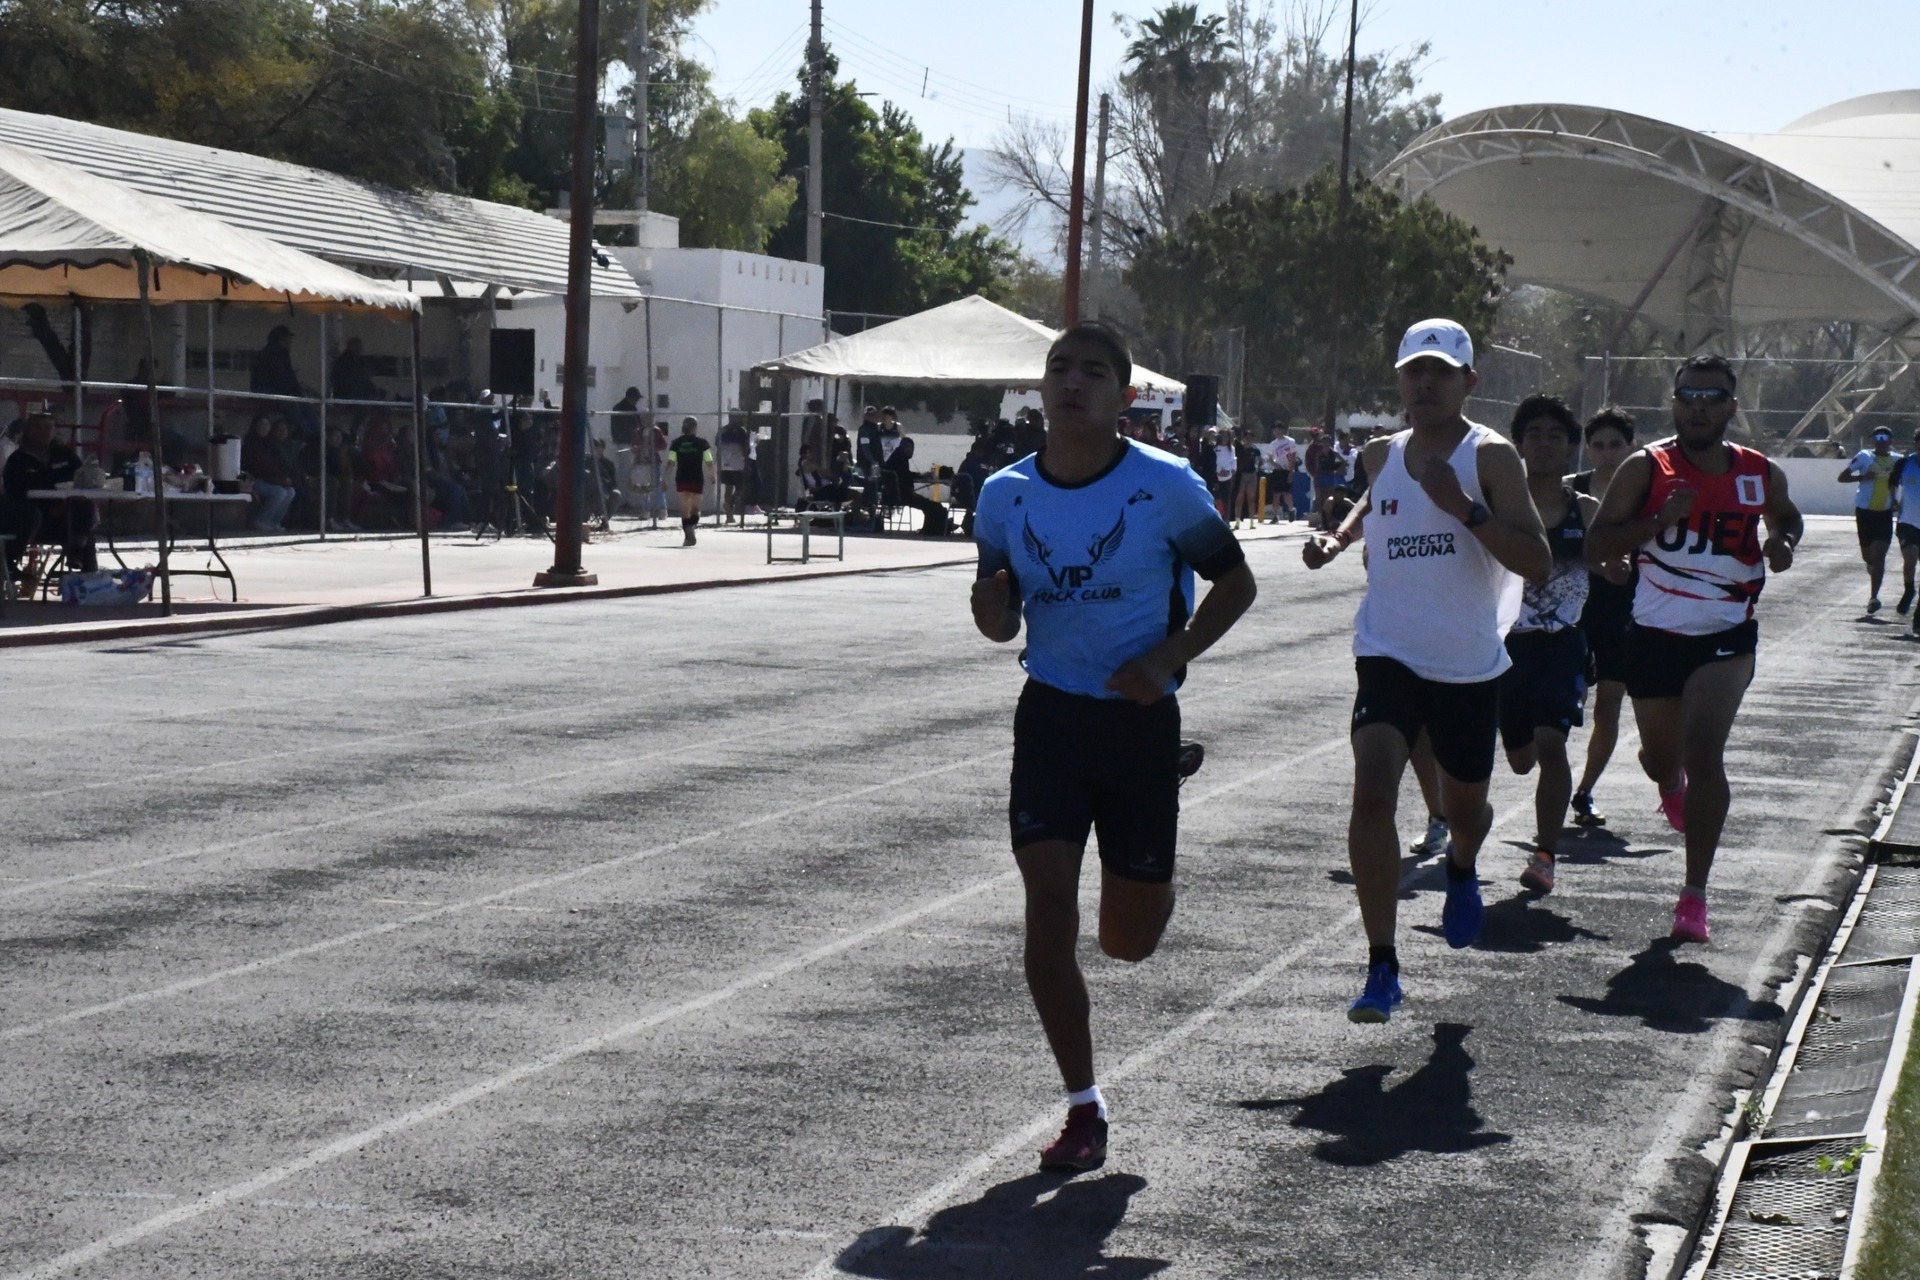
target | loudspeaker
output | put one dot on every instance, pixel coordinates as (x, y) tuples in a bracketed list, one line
[(510, 362), (1203, 399)]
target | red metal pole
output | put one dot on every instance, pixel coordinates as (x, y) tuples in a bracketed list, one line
[(566, 571), (1076, 199)]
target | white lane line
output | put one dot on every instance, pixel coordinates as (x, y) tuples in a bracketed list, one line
[(353, 1142), (515, 785), (185, 985), (915, 1213)]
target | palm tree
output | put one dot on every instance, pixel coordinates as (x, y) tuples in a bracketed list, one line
[(1179, 65)]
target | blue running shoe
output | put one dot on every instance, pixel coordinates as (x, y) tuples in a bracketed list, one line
[(1460, 917), (1376, 1003)]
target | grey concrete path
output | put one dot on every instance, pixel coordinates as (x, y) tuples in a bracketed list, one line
[(678, 937)]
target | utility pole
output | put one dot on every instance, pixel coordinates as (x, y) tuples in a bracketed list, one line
[(1338, 274), (816, 89), (640, 60), (1096, 222), (566, 571), (1076, 195)]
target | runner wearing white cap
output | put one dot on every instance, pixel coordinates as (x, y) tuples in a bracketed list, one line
[(1448, 522)]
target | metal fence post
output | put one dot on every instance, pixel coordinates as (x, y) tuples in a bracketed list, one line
[(320, 507)]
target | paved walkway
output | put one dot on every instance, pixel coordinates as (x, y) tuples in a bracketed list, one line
[(286, 582)]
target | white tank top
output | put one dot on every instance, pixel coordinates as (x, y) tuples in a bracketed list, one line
[(1437, 601)]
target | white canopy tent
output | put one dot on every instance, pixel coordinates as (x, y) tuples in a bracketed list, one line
[(972, 342), (67, 235)]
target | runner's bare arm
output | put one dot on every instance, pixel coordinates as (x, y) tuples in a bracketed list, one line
[(1514, 536), (1784, 525), (1619, 528), (1145, 678), (1319, 548), (996, 610), (1617, 569)]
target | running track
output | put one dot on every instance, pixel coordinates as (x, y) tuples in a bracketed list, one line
[(677, 937)]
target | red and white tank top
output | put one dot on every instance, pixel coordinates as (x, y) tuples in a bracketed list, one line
[(1703, 575), (1437, 601)]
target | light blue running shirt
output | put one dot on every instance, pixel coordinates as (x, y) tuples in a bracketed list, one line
[(1104, 568), (1907, 489)]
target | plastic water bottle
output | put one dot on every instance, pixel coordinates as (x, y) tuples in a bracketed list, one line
[(143, 474)]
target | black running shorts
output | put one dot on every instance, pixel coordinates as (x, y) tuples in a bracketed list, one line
[(1873, 526), (733, 479), (1101, 765), (1659, 662), (1460, 719), (1909, 536), (1545, 686)]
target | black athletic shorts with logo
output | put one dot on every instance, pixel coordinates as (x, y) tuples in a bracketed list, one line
[(1873, 526), (1460, 719), (1545, 686), (1909, 535), (1105, 765), (1659, 662)]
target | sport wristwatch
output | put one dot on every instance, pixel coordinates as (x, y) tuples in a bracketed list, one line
[(1477, 515)]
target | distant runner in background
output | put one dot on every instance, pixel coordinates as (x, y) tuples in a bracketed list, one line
[(1609, 612), (1871, 474), (735, 451), (1690, 508), (692, 469), (1906, 496)]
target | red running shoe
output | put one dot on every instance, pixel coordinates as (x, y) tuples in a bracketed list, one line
[(1674, 805), (1082, 1145)]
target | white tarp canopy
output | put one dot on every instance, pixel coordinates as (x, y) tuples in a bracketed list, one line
[(972, 342), (66, 233)]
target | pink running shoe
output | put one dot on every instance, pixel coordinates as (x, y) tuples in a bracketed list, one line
[(1690, 918), (1674, 805)]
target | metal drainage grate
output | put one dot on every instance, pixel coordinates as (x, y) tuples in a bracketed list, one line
[(1889, 923), (1787, 1218), (1837, 1072)]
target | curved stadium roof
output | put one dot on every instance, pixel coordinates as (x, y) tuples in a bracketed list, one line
[(1700, 233)]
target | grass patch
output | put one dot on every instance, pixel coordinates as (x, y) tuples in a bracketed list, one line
[(1892, 1250)]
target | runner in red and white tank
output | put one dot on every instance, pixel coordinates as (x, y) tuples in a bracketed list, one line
[(1690, 510)]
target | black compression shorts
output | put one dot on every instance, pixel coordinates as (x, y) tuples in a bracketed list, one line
[(1460, 719), (1101, 765), (1659, 662), (1873, 526), (1909, 536), (1545, 686)]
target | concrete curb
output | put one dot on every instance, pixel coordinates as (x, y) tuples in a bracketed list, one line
[(269, 619)]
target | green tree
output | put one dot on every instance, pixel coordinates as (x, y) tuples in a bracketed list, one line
[(722, 179), (380, 89), (894, 241), (1263, 261)]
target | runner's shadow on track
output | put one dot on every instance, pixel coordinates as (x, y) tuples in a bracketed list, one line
[(1522, 925), (1430, 1110), (1594, 847), (1039, 1227), (1409, 864), (1672, 995)]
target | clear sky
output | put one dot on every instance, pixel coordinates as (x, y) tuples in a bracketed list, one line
[(1734, 65)]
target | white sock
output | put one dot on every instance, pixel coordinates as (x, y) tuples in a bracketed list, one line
[(1091, 1093)]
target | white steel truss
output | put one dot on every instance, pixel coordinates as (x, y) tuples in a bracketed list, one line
[(1750, 191)]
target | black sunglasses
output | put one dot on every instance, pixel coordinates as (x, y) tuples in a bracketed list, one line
[(1703, 395)]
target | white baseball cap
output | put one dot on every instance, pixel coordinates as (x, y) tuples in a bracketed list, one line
[(1440, 338)]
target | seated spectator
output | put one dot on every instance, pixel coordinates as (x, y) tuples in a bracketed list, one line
[(380, 497), (974, 470), (273, 490), (273, 374), (300, 471), (41, 462), (445, 490), (898, 468), (341, 483)]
